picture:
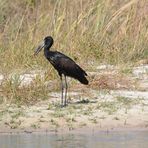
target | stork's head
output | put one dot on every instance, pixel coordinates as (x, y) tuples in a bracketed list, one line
[(46, 43)]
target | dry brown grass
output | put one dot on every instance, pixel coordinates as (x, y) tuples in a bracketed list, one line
[(110, 31), (112, 81)]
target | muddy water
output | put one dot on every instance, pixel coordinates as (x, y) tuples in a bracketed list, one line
[(122, 139)]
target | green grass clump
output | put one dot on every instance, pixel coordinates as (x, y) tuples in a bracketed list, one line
[(109, 107), (119, 103), (24, 95)]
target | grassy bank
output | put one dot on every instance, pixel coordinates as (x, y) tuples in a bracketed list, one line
[(100, 31)]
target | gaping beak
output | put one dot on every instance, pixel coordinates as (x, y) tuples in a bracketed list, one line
[(39, 48)]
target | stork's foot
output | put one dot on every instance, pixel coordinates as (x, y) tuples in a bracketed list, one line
[(64, 105)]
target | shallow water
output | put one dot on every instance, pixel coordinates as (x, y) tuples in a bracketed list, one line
[(122, 139)]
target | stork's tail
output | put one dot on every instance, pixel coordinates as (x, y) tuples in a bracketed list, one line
[(83, 80), (81, 75)]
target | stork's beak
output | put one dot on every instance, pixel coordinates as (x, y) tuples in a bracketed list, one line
[(39, 48)]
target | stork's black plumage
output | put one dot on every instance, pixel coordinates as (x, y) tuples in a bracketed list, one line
[(63, 64)]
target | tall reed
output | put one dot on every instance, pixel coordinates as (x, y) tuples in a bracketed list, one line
[(106, 30)]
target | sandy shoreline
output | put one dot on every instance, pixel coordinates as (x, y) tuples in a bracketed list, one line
[(110, 102), (85, 130)]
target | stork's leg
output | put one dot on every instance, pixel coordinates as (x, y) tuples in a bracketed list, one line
[(62, 88), (66, 86)]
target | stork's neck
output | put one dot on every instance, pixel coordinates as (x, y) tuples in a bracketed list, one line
[(48, 54), (46, 50)]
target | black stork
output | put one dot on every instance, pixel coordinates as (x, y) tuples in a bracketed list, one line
[(64, 65)]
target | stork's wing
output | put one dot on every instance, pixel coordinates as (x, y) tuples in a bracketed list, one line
[(65, 65), (69, 66)]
